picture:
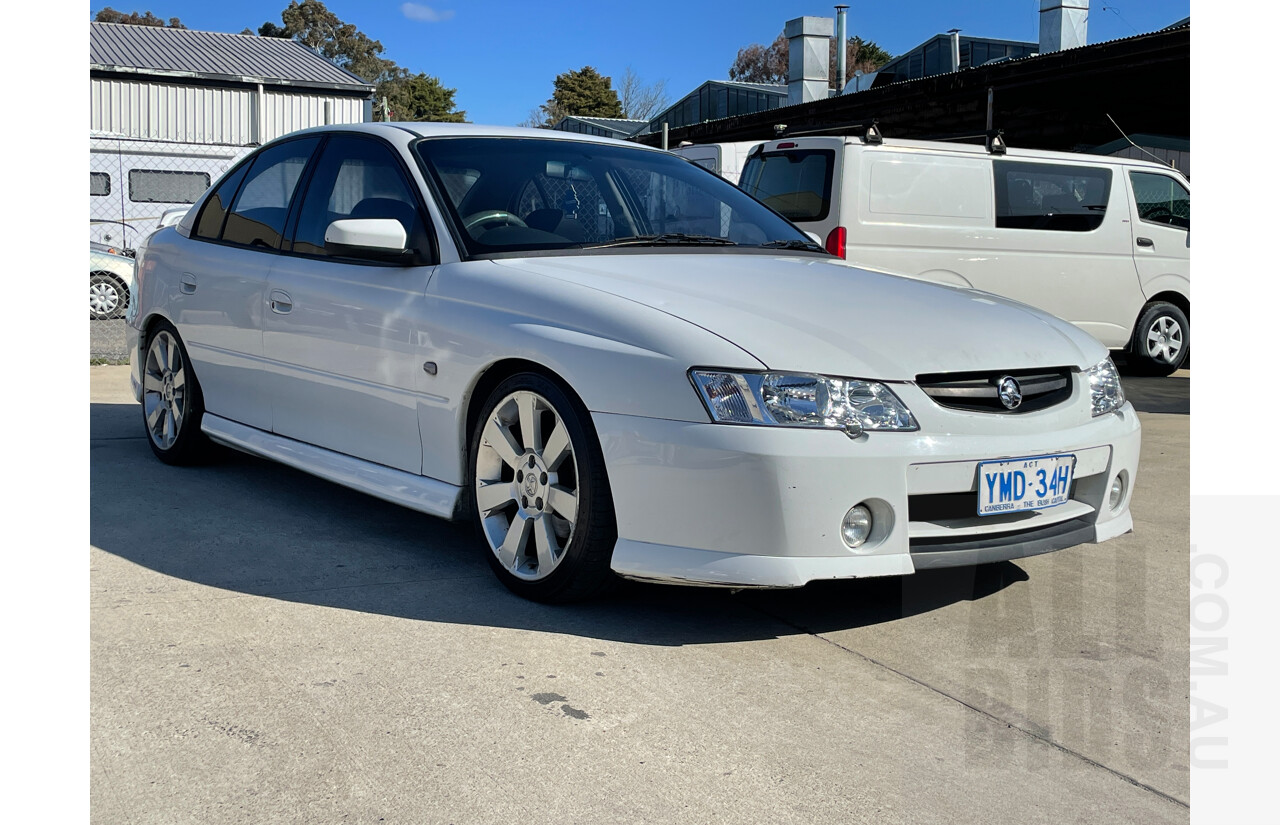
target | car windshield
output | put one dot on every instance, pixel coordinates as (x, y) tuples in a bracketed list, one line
[(510, 195)]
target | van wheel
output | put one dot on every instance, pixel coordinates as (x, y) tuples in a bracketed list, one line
[(1161, 340)]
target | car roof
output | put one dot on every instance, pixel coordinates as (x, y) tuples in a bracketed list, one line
[(434, 130)]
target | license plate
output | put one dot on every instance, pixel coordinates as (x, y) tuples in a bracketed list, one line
[(1019, 484)]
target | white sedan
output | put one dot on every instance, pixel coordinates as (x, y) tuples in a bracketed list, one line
[(613, 362)]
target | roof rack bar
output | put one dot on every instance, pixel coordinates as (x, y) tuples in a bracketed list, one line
[(870, 131)]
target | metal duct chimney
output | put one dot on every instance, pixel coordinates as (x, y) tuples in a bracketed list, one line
[(842, 35), (1064, 24), (955, 49), (808, 39)]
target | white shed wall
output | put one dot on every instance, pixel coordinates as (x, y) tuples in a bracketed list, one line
[(200, 114)]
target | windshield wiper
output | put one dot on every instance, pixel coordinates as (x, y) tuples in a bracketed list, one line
[(665, 239), (793, 244)]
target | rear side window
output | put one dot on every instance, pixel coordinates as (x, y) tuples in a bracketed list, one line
[(356, 178), (1054, 197), (794, 183), (215, 208), (99, 183), (258, 215), (1161, 199), (166, 186)]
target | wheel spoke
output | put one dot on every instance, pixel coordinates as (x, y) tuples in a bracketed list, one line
[(530, 421), (179, 377), (498, 436), (176, 413), (153, 418), (514, 544), (563, 502), (557, 448), (152, 383), (546, 543), (492, 496)]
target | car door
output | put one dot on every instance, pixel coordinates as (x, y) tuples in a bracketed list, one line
[(218, 305), (341, 335), (1161, 233)]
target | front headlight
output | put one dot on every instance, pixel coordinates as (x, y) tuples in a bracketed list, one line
[(801, 400), (1104, 388)]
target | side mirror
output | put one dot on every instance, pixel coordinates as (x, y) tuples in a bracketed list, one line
[(374, 239)]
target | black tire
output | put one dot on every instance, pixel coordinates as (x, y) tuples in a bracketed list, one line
[(581, 569), (172, 403), (108, 296), (1161, 328)]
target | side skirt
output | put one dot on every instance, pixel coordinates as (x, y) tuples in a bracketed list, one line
[(426, 495)]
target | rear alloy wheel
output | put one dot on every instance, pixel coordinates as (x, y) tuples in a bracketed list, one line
[(108, 297), (172, 405), (542, 501), (1162, 339)]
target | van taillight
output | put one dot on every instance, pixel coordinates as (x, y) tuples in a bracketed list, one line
[(787, 145), (835, 242)]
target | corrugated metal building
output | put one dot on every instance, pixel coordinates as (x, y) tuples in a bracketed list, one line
[(209, 87)]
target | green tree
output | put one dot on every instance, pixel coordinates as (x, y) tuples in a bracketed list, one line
[(584, 92), (409, 96), (110, 15), (420, 97)]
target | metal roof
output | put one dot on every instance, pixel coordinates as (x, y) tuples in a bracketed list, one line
[(623, 126), (153, 50)]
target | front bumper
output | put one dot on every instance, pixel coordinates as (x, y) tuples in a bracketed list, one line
[(739, 506)]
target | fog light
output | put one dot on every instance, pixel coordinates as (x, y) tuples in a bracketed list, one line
[(1117, 492), (856, 526)]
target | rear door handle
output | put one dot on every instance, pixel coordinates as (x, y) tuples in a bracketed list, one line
[(1146, 242), (281, 303), (188, 283)]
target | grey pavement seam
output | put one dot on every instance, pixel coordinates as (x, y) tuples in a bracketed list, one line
[(1031, 734)]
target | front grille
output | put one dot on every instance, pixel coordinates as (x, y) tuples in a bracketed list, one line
[(979, 391)]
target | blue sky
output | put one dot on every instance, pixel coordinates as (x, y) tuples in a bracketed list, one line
[(502, 56)]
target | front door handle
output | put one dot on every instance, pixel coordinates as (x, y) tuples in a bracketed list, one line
[(280, 301), (1146, 242)]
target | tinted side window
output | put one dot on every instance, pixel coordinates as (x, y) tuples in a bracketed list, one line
[(795, 183), (258, 215), (356, 178), (1054, 196), (99, 183), (215, 208), (1161, 199)]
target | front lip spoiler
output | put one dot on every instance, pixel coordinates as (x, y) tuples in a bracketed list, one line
[(930, 554)]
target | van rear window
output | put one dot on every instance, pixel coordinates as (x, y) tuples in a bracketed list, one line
[(1051, 196), (796, 183)]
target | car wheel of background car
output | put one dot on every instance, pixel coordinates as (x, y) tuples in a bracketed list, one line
[(543, 506), (172, 404), (1161, 340), (108, 297)]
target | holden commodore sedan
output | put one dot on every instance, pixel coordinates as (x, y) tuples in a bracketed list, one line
[(614, 363)]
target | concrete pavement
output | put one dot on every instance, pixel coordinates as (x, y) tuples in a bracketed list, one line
[(268, 647)]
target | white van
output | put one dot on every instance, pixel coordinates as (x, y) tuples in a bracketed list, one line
[(133, 182), (1103, 242), (725, 159)]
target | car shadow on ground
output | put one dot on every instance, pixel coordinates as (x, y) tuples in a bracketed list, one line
[(251, 526), (1171, 394)]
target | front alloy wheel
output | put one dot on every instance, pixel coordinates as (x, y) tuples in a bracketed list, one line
[(542, 502)]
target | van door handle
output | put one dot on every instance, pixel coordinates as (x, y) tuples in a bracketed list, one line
[(281, 303), (1146, 242), (188, 283)]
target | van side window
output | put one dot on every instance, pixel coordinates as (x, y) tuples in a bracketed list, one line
[(99, 183), (209, 224), (1161, 199), (795, 183), (257, 217), (166, 186), (1053, 197)]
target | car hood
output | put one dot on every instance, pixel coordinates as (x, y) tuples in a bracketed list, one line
[(819, 315)]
